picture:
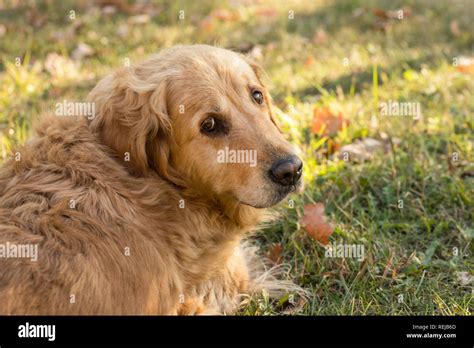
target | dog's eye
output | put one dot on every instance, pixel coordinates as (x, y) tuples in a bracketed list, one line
[(214, 126), (208, 125), (258, 97)]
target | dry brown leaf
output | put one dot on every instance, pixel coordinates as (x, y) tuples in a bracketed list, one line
[(130, 8), (36, 18), (381, 13), (224, 15), (395, 14), (82, 51), (454, 27), (266, 12), (140, 19), (385, 18), (332, 146), (467, 174), (207, 24), (407, 12), (326, 122), (464, 278), (362, 150), (295, 307), (320, 37), (274, 253), (314, 222), (122, 5)]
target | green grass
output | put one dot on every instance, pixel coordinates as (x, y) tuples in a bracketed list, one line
[(415, 251)]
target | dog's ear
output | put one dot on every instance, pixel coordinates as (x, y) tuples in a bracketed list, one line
[(261, 76), (132, 119)]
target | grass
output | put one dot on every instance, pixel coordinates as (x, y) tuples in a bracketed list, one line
[(413, 254)]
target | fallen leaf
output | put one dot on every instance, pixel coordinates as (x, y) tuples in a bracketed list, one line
[(266, 12), (381, 13), (207, 24), (274, 253), (326, 122), (35, 17), (320, 37), (120, 4), (295, 307), (454, 27), (464, 278), (386, 18), (314, 222), (401, 13), (82, 51), (139, 19), (130, 8), (109, 10), (332, 146), (309, 61), (406, 11), (61, 68), (467, 174), (466, 65), (224, 15), (362, 150)]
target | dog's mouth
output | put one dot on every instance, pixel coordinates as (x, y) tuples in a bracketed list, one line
[(280, 194)]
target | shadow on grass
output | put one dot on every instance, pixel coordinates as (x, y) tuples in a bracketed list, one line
[(363, 79)]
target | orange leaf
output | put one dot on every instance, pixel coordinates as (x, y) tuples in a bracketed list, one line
[(314, 222), (466, 65), (332, 146), (454, 27), (266, 12), (274, 253), (384, 15), (381, 13), (326, 122), (320, 37), (207, 24), (225, 15), (309, 61)]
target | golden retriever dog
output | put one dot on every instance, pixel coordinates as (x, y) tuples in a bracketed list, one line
[(142, 208)]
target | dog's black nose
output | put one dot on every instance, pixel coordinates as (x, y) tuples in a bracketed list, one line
[(287, 172)]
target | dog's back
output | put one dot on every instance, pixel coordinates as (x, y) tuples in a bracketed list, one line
[(72, 235)]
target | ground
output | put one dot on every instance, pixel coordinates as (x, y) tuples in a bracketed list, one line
[(409, 205)]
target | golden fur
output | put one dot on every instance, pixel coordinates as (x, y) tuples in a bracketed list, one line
[(130, 210)]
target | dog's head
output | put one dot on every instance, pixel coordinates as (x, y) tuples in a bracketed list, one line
[(200, 117)]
